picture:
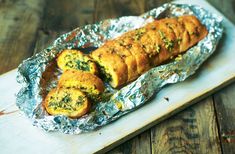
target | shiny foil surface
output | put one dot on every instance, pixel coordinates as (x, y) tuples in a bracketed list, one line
[(38, 74)]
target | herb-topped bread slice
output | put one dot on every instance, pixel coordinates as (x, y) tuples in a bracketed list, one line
[(87, 82), (120, 48), (125, 58), (112, 67), (76, 60), (69, 102)]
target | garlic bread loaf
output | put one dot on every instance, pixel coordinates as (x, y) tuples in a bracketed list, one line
[(119, 61), (112, 67), (127, 57)]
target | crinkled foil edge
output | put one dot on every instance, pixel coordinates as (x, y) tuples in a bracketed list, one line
[(130, 97)]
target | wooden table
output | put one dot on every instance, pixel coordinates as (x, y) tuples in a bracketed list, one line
[(28, 26)]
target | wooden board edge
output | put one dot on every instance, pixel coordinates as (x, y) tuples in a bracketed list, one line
[(9, 72), (141, 130)]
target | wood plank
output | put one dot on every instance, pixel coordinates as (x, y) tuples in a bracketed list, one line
[(192, 131), (60, 17), (227, 7), (225, 108), (137, 145), (117, 8), (224, 99), (150, 4), (63, 16), (20, 20)]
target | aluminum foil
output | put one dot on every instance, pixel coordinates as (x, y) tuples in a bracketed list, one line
[(38, 74)]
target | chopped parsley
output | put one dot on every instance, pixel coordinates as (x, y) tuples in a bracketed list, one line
[(194, 33), (158, 48), (63, 103), (179, 40), (80, 100), (70, 64), (107, 77), (162, 35), (139, 33), (66, 99), (169, 44), (81, 65)]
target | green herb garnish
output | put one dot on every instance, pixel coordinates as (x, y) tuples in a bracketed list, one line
[(169, 44), (158, 48), (139, 33), (66, 99), (63, 103), (81, 65), (162, 35), (107, 77), (179, 40)]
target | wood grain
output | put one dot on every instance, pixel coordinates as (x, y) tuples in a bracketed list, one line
[(150, 4), (224, 99), (117, 8), (44, 39), (20, 20), (192, 131), (137, 145), (63, 16), (227, 7), (225, 107), (60, 17)]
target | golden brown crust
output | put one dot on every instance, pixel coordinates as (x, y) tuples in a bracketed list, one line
[(112, 65), (69, 102), (84, 81), (150, 46), (135, 52), (121, 49), (130, 41), (194, 31), (142, 59), (76, 60), (120, 61), (180, 33)]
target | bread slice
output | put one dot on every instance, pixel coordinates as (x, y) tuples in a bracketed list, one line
[(76, 60), (142, 59), (68, 102), (121, 49), (194, 31), (112, 67), (87, 82)]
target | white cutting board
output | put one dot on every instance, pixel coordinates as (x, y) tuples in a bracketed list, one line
[(17, 135)]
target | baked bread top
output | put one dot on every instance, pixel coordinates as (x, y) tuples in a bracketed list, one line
[(119, 62), (87, 82), (147, 47), (69, 102), (76, 60)]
